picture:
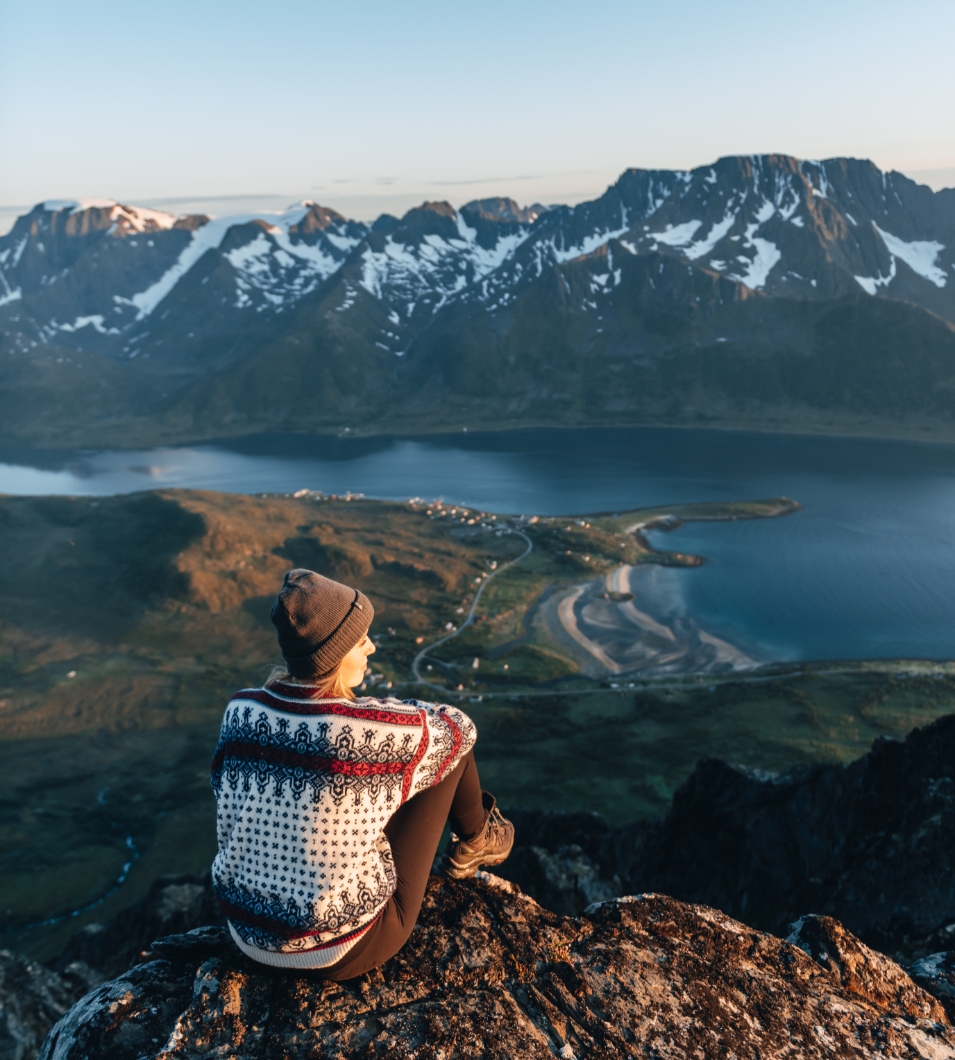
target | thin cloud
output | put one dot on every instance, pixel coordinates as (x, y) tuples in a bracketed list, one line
[(223, 198), (506, 180)]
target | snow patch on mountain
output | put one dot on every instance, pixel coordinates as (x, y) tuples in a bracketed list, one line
[(485, 260), (261, 265), (342, 243), (715, 234), (870, 284), (18, 251), (95, 321), (759, 268), (280, 268), (318, 261), (252, 257), (210, 236), (786, 212), (821, 187), (395, 265), (677, 236), (765, 211), (589, 243), (919, 255), (435, 264)]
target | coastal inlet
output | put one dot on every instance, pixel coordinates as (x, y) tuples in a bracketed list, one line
[(634, 620)]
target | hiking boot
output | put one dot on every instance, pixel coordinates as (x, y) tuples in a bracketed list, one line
[(489, 847)]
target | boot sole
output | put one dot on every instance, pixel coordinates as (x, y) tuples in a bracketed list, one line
[(454, 871)]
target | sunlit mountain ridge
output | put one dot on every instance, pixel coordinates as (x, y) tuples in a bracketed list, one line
[(819, 290)]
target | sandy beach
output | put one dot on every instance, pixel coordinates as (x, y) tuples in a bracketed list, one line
[(632, 621)]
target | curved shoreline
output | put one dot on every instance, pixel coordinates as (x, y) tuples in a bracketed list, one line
[(689, 642)]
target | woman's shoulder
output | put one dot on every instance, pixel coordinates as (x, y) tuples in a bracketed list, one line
[(404, 706), (302, 699), (413, 704)]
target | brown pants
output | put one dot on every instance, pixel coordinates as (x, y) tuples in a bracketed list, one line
[(414, 833)]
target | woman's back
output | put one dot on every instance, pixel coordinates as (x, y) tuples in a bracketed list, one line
[(305, 784)]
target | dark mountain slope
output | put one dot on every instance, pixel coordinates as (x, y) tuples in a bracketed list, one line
[(652, 340), (871, 843), (592, 342), (54, 395)]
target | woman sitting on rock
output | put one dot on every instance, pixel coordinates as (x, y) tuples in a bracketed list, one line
[(330, 808)]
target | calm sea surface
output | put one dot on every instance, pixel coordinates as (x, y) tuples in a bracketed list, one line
[(866, 569)]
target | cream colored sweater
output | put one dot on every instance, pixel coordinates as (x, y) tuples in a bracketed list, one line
[(304, 788)]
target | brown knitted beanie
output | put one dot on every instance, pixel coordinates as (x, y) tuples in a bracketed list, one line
[(319, 621)]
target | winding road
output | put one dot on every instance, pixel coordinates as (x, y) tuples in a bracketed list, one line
[(423, 654)]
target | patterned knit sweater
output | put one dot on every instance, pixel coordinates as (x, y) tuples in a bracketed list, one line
[(304, 787)]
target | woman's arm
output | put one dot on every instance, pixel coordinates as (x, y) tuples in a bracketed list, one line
[(450, 734)]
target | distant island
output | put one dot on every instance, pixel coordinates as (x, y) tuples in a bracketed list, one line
[(760, 291)]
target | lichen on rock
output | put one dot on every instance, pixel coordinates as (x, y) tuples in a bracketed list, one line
[(488, 973)]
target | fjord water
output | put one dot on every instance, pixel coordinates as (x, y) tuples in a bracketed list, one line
[(865, 570)]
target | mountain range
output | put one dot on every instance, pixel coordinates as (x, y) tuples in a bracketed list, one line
[(759, 291)]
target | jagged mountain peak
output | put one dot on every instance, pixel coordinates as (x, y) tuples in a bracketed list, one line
[(386, 223), (430, 218), (442, 208), (502, 210), (317, 219), (82, 216)]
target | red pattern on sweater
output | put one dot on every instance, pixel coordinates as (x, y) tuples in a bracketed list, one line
[(328, 705)]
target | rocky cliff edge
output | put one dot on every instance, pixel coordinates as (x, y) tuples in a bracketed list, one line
[(489, 973)]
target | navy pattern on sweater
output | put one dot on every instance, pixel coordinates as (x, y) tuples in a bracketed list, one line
[(304, 788)]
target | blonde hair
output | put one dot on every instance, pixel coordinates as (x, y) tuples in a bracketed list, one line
[(333, 685)]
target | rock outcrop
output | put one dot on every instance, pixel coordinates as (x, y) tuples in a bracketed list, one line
[(33, 998), (871, 844), (490, 973), (936, 974)]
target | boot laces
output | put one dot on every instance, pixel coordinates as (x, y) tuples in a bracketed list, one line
[(496, 830)]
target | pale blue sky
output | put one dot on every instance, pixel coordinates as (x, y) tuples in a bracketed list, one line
[(368, 105)]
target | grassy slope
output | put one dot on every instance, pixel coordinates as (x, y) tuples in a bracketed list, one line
[(159, 604)]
